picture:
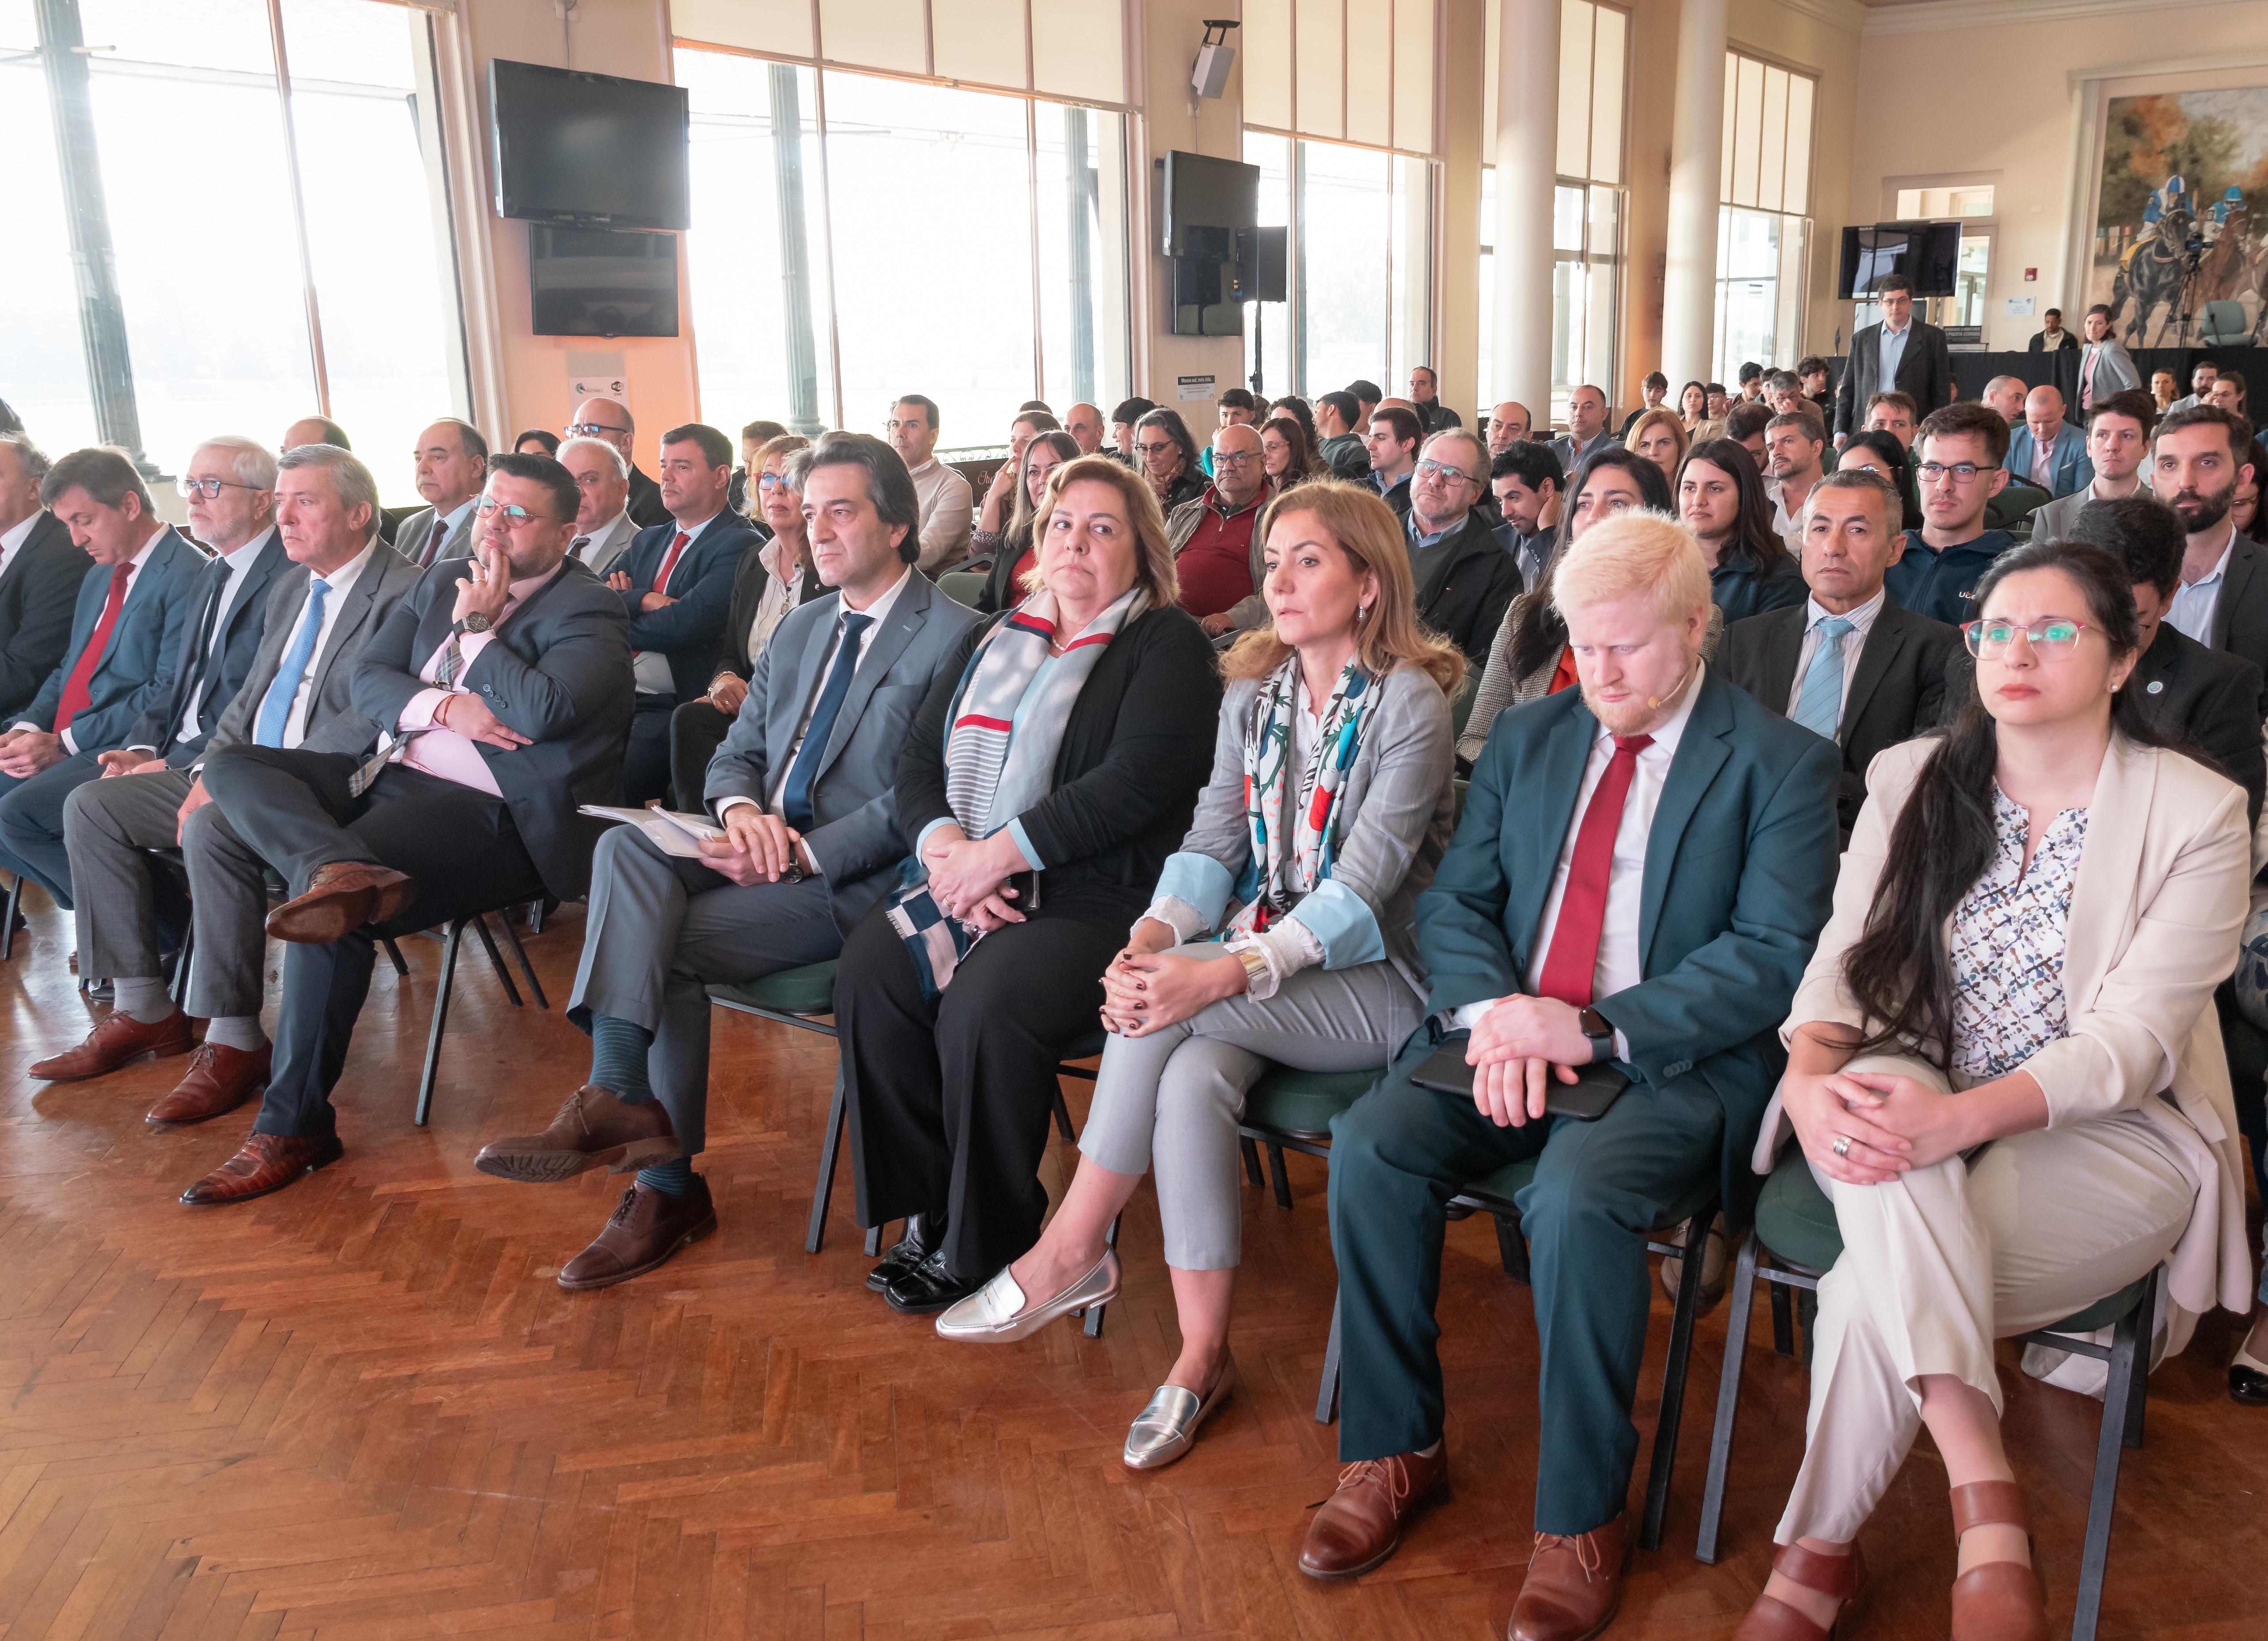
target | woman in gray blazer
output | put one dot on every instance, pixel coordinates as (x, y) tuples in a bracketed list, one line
[(1281, 932)]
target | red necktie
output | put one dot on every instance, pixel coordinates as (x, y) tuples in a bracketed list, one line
[(76, 687), (670, 562), (1570, 965), (433, 543)]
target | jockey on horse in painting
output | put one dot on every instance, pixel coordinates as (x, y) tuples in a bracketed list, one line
[(2155, 265)]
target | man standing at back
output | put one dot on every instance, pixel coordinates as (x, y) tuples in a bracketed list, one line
[(2053, 337), (451, 459), (1900, 354), (676, 587), (603, 526), (39, 573), (1957, 467), (2118, 441), (2045, 449), (1587, 428), (948, 505), (1462, 576), (610, 419)]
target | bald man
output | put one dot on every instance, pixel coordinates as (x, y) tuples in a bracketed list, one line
[(315, 430), (1214, 548), (610, 420), (2047, 451), (1084, 424), (1508, 422), (2005, 394)]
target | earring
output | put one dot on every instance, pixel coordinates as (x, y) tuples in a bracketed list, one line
[(1362, 611)]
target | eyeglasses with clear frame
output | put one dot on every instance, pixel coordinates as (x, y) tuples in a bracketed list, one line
[(2052, 638), (514, 514)]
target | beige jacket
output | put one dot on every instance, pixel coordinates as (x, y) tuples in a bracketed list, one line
[(2155, 911)]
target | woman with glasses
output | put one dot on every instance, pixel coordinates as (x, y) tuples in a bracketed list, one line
[(2004, 1071), (1722, 501), (1013, 556), (1166, 456)]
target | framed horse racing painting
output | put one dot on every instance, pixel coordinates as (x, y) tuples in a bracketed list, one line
[(2180, 221)]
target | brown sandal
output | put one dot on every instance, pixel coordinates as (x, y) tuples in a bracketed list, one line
[(1996, 1601), (1771, 1619)]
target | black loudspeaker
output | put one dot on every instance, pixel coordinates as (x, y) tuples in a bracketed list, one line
[(1262, 255)]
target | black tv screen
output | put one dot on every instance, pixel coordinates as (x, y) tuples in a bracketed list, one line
[(601, 281), (1206, 201), (1926, 253), (590, 148)]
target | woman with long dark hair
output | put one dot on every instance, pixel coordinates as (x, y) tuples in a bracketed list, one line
[(2005, 1070), (1693, 405), (1014, 554), (1881, 452), (1721, 499), (1288, 453)]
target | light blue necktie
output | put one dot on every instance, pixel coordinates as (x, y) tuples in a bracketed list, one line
[(1818, 709), (276, 705)]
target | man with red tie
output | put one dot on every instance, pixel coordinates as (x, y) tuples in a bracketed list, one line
[(126, 633), (676, 585), (1641, 871), (451, 460)]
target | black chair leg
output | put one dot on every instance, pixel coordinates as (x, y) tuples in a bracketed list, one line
[(1094, 1323), (823, 1192), (873, 1242), (495, 960), (1279, 1177), (8, 918), (1512, 1248), (449, 942), (1251, 1158), (2138, 1401), (394, 955), (2129, 1382), (519, 953), (1783, 1309), (179, 988), (1682, 1318), (1327, 1394), (1728, 1398)]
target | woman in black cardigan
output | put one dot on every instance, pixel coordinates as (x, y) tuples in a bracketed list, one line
[(1043, 784)]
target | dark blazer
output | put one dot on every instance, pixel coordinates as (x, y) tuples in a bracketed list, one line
[(1000, 592), (558, 673), (2240, 614), (1532, 556), (691, 631), (1345, 455), (748, 582), (2040, 343), (1136, 751), (1925, 373), (1737, 588), (1937, 584), (1898, 690), (1740, 878), (1464, 601), (212, 665), (855, 834), (39, 589), (332, 724), (1396, 495), (137, 667), (2214, 700), (644, 505)]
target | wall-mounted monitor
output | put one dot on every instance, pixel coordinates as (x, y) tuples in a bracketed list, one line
[(1206, 201), (1926, 253), (590, 148), (601, 281)]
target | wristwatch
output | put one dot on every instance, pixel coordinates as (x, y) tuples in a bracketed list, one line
[(476, 622), (1600, 1031), (1255, 964)]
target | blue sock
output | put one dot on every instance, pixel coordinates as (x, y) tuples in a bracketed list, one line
[(618, 1057), (671, 1179)]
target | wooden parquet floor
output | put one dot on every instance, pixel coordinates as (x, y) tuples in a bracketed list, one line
[(364, 1409)]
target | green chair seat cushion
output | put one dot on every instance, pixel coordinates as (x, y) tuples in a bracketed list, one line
[(1499, 1189), (1303, 1103), (1796, 1221), (809, 989), (963, 586)]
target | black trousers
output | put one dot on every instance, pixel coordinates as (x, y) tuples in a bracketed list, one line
[(646, 765), (695, 730), (293, 810), (949, 1096)]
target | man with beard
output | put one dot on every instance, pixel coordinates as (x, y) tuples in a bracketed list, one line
[(2200, 459)]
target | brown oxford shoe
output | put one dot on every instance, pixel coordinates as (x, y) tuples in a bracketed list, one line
[(647, 1226), (593, 1129), (1360, 1524), (1574, 1583), (219, 1079), (341, 897), (267, 1162), (118, 1039)]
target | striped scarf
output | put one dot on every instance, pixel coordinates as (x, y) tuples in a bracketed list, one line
[(1289, 858)]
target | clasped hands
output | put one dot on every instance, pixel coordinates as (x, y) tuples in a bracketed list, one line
[(24, 753), (756, 848), (1517, 1047), (1894, 1123), (969, 877), (1148, 985)]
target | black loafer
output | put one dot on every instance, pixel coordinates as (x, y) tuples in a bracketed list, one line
[(923, 1232), (929, 1286), (2247, 1381)]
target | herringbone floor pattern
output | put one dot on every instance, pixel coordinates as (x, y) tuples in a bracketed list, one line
[(363, 1409)]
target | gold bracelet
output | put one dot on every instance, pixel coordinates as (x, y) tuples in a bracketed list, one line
[(1255, 964)]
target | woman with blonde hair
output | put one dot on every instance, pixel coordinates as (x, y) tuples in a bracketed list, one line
[(1660, 437), (1282, 931)]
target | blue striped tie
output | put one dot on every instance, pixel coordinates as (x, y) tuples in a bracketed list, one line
[(284, 688), (1818, 709)]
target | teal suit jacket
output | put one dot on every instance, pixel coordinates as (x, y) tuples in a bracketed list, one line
[(1740, 878)]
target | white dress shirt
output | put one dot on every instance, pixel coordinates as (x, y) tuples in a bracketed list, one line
[(15, 536), (947, 508), (2191, 611), (650, 667), (240, 565), (132, 569), (339, 581), (1853, 642)]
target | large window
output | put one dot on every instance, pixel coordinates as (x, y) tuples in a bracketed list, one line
[(243, 296), (1764, 225), (858, 236)]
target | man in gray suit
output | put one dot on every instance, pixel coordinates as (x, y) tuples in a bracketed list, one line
[(295, 694), (1902, 354), (804, 787), (452, 463), (603, 525)]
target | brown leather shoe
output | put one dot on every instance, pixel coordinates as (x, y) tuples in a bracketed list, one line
[(219, 1079), (1996, 1601), (646, 1227), (1360, 1524), (1574, 1583), (341, 897), (118, 1039), (267, 1162), (1842, 1577), (593, 1129)]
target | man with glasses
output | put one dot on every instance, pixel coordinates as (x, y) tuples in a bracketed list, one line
[(451, 458), (610, 420), (1463, 577), (1901, 354), (603, 525), (1960, 449), (948, 508), (502, 687), (1216, 550)]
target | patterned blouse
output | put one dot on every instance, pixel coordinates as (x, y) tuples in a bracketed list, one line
[(2008, 938)]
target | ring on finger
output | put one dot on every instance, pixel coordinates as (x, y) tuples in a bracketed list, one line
[(1842, 1145)]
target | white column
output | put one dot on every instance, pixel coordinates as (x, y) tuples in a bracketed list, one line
[(1527, 163), (1697, 143)]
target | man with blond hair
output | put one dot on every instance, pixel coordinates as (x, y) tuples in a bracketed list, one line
[(1566, 939)]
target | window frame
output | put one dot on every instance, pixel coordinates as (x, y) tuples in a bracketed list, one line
[(1788, 349)]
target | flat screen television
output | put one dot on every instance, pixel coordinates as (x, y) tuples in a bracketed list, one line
[(1927, 253), (601, 281), (1207, 200), (589, 148)]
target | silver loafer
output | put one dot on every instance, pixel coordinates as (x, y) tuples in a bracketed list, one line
[(1167, 1428), (988, 1316)]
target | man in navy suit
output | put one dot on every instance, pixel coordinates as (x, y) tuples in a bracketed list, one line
[(2045, 449), (125, 640), (230, 486), (676, 586), (1641, 871), (39, 573)]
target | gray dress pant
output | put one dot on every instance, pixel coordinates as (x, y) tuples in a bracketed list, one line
[(108, 825), (1171, 1098), (660, 930)]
